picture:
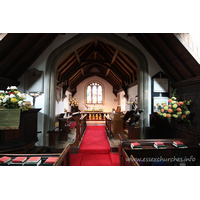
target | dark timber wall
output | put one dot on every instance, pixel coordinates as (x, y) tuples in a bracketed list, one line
[(189, 90)]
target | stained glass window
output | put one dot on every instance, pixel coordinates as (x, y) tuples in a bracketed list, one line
[(100, 94), (89, 92), (94, 93)]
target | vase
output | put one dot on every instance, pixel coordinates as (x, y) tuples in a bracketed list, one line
[(9, 118)]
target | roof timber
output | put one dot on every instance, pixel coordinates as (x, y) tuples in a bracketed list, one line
[(19, 50)]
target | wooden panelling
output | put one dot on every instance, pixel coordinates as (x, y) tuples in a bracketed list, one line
[(190, 92)]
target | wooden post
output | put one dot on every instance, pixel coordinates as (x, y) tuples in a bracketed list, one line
[(76, 117)]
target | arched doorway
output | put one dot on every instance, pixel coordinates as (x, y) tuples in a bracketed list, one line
[(76, 42)]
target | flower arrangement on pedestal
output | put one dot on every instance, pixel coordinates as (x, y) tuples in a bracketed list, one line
[(11, 101), (12, 98), (73, 102), (177, 110)]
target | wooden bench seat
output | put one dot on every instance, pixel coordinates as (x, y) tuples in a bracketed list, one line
[(63, 157), (63, 127), (148, 154)]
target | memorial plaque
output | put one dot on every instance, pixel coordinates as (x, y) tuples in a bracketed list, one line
[(160, 85), (34, 81)]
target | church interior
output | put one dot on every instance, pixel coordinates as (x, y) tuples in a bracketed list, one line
[(101, 99)]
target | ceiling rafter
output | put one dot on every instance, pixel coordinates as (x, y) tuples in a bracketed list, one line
[(8, 50), (77, 57), (125, 65), (107, 72), (82, 72), (152, 50), (106, 59), (105, 51), (86, 49), (63, 65), (164, 57), (176, 55), (19, 51), (67, 68), (115, 80), (109, 48), (76, 66), (113, 74), (114, 57), (130, 62), (36, 47), (20, 56), (74, 76), (128, 73)]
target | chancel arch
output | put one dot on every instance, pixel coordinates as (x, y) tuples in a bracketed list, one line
[(71, 46)]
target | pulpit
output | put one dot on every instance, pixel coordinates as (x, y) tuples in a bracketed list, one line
[(22, 139), (74, 108)]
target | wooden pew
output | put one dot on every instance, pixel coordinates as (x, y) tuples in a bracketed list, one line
[(83, 124), (54, 133), (130, 131), (108, 126), (126, 159), (62, 129), (80, 128), (133, 161), (65, 127), (63, 157), (171, 154)]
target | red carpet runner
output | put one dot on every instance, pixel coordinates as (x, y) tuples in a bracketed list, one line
[(95, 149)]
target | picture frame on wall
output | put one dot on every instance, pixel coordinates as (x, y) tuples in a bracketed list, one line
[(160, 85), (159, 100)]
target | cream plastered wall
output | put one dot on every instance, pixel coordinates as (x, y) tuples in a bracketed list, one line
[(109, 96), (63, 104), (132, 92)]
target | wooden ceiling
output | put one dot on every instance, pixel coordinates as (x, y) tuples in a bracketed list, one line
[(19, 51), (99, 59), (175, 60)]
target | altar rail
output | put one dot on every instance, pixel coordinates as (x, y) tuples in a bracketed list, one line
[(96, 116)]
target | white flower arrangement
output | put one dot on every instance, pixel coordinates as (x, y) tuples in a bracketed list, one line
[(12, 98)]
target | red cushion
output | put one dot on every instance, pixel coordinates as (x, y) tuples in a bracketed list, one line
[(72, 125)]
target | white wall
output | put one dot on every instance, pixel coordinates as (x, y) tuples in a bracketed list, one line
[(66, 101), (59, 106), (132, 92)]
